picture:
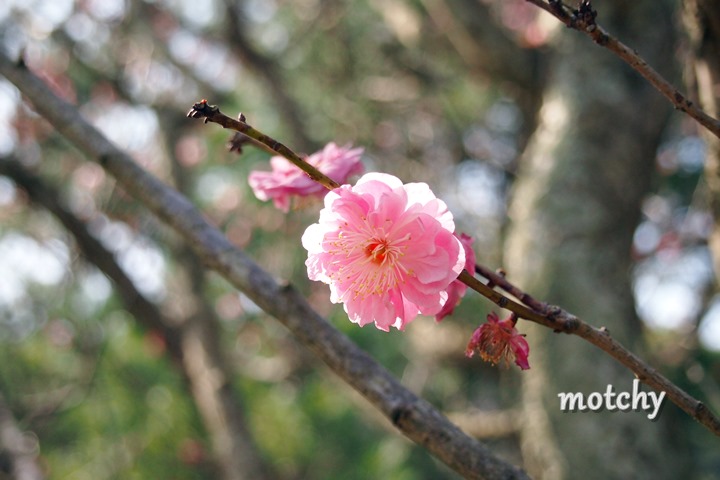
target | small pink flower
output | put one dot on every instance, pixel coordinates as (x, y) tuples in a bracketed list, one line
[(457, 289), (387, 250), (287, 181), (498, 341)]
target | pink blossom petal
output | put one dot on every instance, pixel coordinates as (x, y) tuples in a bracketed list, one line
[(457, 289), (378, 180), (385, 258), (286, 181)]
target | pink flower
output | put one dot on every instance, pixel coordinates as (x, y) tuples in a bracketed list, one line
[(387, 250), (457, 289), (287, 181), (498, 341)]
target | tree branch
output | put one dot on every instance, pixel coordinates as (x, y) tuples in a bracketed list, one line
[(533, 310), (143, 310), (413, 416), (193, 342), (211, 113), (220, 404), (582, 19), (560, 320)]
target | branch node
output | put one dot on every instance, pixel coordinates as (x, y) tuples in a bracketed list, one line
[(558, 8), (583, 18), (553, 311), (586, 12), (570, 324), (236, 143), (682, 102), (287, 289), (566, 322), (399, 414), (202, 109)]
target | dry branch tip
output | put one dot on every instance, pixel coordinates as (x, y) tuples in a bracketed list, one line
[(583, 18)]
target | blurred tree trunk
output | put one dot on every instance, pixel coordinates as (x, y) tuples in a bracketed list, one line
[(702, 23), (576, 204), (18, 451), (210, 374)]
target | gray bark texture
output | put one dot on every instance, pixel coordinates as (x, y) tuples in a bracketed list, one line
[(411, 415), (193, 339), (575, 206)]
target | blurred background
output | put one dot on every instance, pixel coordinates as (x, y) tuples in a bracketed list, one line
[(121, 358)]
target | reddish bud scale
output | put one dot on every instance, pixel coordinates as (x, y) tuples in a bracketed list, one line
[(499, 342)]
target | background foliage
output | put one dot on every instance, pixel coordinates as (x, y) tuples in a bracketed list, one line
[(446, 92)]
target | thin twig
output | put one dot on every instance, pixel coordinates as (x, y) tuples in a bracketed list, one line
[(582, 19), (497, 278), (562, 321), (530, 309), (211, 113), (413, 416)]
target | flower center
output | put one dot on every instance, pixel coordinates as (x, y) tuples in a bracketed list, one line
[(367, 261), (377, 251)]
